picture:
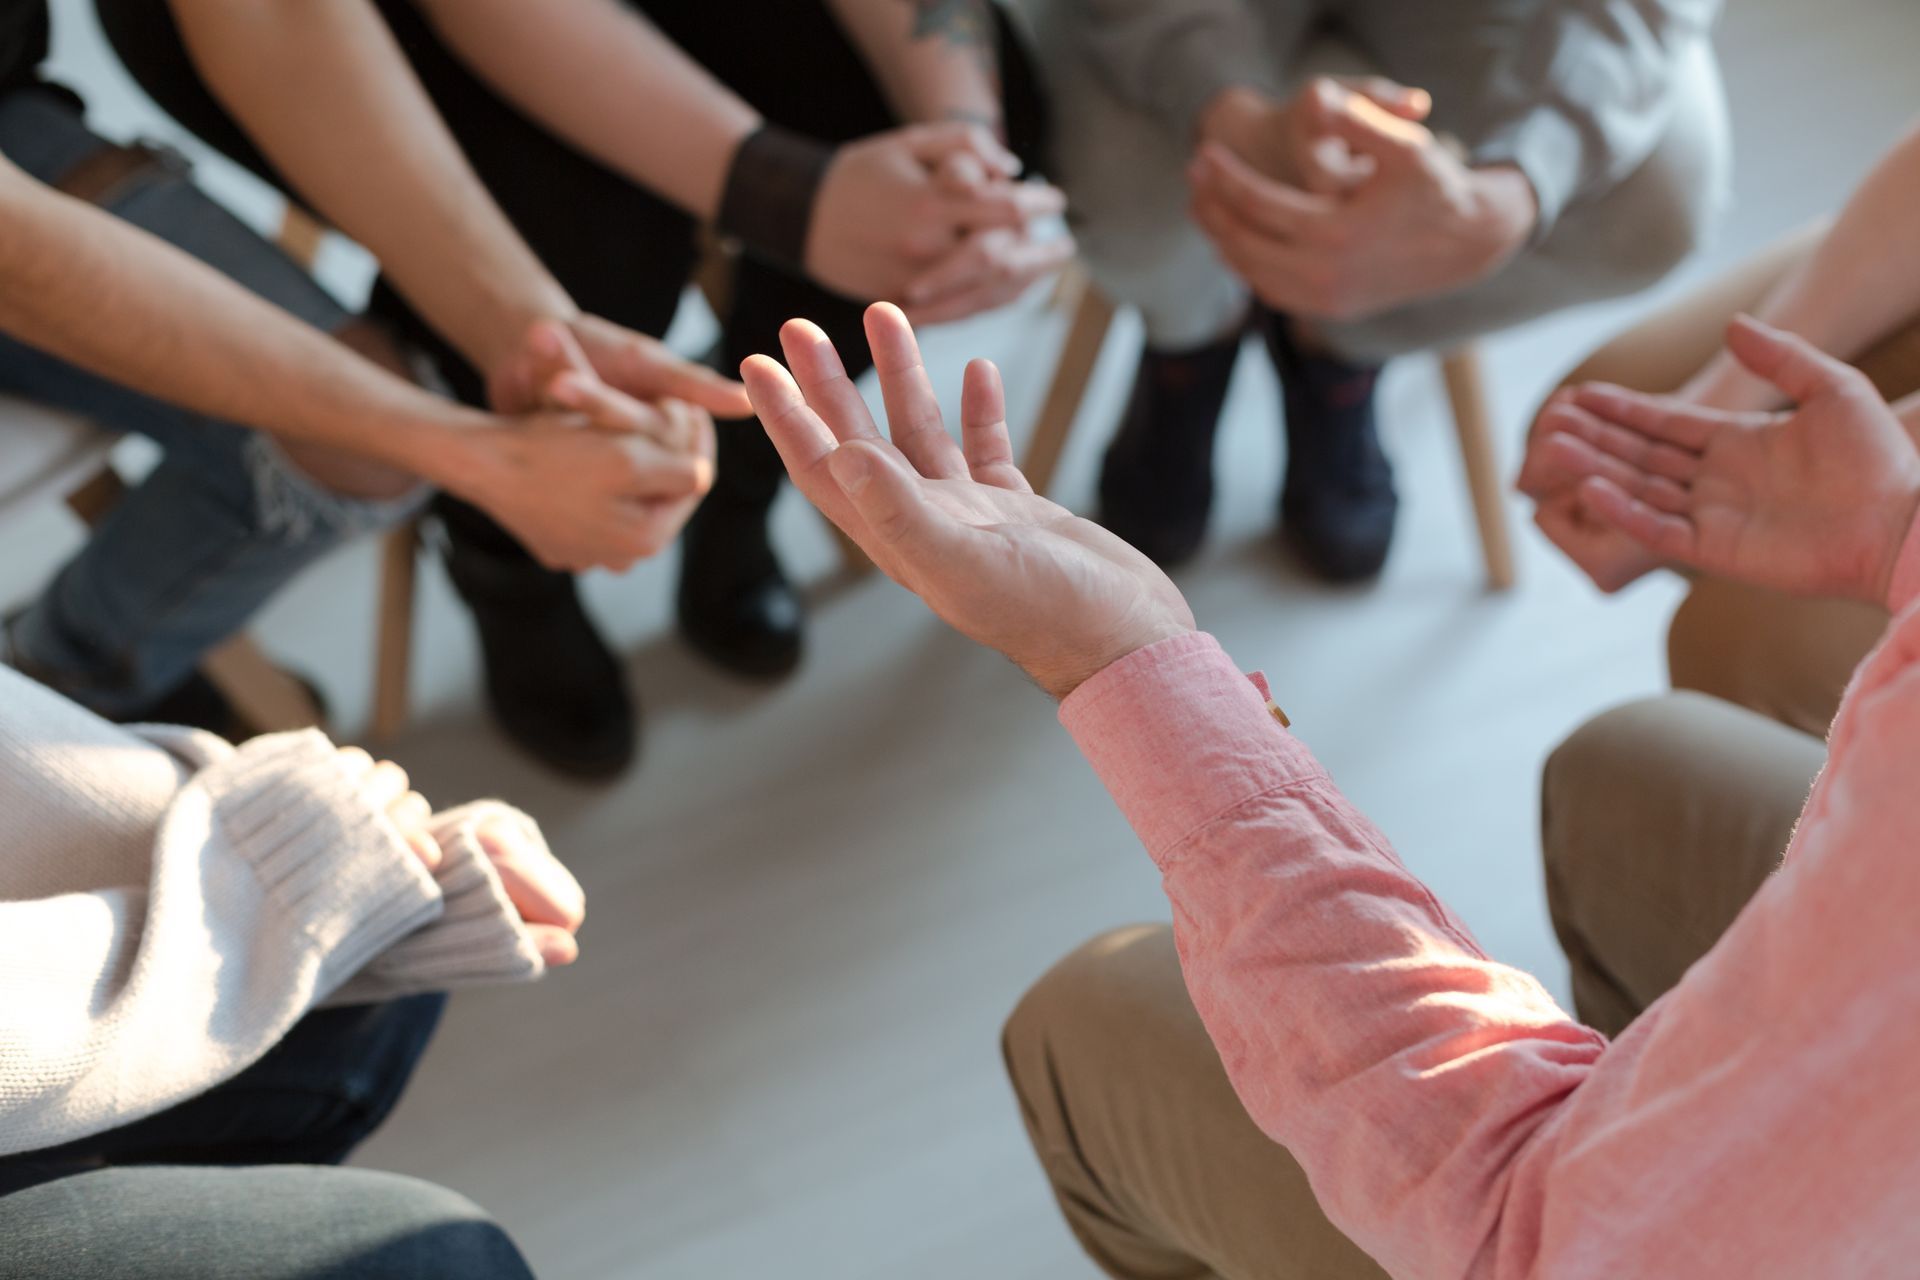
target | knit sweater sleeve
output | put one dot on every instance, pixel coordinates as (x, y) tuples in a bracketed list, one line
[(170, 907)]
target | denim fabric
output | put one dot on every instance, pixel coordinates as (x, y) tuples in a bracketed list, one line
[(231, 1183), (223, 521)]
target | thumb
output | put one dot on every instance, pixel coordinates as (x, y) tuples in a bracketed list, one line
[(696, 384), (1401, 100), (889, 501), (1799, 369), (1369, 128)]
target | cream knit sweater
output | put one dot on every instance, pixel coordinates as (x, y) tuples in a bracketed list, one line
[(170, 906)]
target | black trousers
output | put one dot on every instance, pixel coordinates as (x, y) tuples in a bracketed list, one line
[(622, 252), (311, 1099)]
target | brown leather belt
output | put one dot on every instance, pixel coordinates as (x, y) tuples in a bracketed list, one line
[(101, 175)]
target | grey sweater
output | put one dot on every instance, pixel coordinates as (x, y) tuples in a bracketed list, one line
[(170, 906), (1578, 97)]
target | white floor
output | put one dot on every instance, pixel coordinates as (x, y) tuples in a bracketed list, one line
[(813, 904)]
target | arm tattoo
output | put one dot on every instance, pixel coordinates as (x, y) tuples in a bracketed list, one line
[(965, 24)]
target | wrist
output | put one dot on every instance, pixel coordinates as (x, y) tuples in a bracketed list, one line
[(1060, 681), (1229, 114), (445, 444), (771, 189), (1895, 579), (1505, 211)]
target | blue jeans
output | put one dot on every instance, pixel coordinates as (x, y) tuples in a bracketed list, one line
[(235, 1183), (225, 519)]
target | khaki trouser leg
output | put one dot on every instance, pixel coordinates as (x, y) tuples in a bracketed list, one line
[(1158, 1169), (1659, 821)]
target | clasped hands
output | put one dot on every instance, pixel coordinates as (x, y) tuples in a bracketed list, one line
[(935, 218), (1340, 203)]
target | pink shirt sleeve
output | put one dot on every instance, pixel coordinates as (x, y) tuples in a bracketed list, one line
[(1451, 1118)]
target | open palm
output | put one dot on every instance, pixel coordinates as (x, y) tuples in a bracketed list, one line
[(957, 524), (1814, 500)]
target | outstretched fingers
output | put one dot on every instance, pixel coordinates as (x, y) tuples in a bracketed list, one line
[(983, 429), (913, 411), (824, 382), (1638, 442), (803, 440), (1665, 533)]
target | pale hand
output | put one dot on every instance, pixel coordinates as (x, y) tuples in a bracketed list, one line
[(549, 900), (1816, 500), (957, 524), (385, 786), (932, 215), (1407, 219)]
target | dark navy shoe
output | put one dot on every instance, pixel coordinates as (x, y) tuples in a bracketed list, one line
[(1338, 504)]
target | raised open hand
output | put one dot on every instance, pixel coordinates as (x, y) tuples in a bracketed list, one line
[(957, 524), (1817, 499)]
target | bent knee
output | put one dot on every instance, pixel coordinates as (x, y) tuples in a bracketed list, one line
[(1072, 1003), (433, 1233)]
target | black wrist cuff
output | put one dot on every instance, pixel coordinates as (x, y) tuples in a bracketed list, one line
[(768, 201)]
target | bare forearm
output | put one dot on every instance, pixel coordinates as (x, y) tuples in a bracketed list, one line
[(111, 299), (608, 81), (323, 89), (1862, 282), (935, 59)]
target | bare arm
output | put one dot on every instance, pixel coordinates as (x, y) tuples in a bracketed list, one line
[(935, 59), (1861, 283), (603, 77), (120, 303), (325, 92)]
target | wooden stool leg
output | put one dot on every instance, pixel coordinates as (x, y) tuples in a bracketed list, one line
[(265, 696), (393, 656), (1092, 317), (1466, 388)]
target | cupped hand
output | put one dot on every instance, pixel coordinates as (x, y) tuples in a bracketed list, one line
[(1607, 556), (957, 524), (385, 786), (897, 205), (1406, 220), (1817, 499)]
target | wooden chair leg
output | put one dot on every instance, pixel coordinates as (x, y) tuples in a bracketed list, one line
[(1466, 389), (1092, 318), (393, 656)]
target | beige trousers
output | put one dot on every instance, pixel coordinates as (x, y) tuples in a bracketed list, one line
[(1659, 820)]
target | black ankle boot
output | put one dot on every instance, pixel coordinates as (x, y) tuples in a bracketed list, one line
[(1338, 505), (553, 685), (1156, 484), (737, 608)]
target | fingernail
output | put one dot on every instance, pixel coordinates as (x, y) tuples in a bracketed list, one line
[(851, 469)]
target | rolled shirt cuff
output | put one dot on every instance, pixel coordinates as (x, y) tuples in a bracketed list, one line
[(1179, 736)]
